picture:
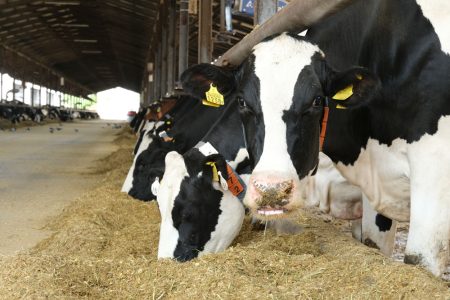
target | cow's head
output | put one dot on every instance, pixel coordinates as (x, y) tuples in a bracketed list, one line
[(197, 216), (282, 89)]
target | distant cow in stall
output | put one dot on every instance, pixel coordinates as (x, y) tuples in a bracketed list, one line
[(388, 121)]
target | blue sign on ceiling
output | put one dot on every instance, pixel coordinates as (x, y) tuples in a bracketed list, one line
[(248, 6)]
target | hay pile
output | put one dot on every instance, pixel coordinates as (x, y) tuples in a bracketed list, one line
[(104, 247)]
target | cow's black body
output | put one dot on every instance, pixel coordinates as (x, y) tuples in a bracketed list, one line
[(191, 124), (391, 39)]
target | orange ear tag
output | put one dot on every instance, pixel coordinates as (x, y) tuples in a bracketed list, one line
[(235, 184)]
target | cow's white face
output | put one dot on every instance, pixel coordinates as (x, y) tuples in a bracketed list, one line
[(282, 89), (275, 185), (196, 216)]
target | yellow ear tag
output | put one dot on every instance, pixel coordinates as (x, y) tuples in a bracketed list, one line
[(205, 102), (344, 94), (213, 97), (340, 107), (214, 170)]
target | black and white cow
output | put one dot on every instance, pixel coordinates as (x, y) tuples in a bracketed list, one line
[(199, 215), (191, 123), (392, 137)]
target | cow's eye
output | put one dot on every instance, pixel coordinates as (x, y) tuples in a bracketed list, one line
[(241, 102), (318, 101)]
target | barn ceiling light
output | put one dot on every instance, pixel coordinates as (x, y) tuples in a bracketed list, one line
[(85, 41), (91, 52), (75, 25), (63, 2)]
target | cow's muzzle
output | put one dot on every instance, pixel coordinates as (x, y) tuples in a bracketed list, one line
[(271, 196)]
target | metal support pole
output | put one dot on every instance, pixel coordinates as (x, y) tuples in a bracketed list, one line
[(1, 86), (183, 47), (264, 10), (171, 48), (40, 95), (205, 32)]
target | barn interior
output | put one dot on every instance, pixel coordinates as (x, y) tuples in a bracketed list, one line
[(83, 47), (104, 244)]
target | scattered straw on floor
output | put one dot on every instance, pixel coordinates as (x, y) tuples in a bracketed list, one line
[(104, 247)]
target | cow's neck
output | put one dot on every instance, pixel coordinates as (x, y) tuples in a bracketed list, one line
[(392, 39)]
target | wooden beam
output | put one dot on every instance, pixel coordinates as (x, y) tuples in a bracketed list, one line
[(264, 10), (205, 44)]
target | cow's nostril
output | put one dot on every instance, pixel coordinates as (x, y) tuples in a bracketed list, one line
[(275, 194)]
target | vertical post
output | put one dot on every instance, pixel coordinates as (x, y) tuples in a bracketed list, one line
[(40, 95), (32, 94), (24, 89), (264, 9), (1, 86), (183, 47), (222, 15), (163, 70), (14, 89), (157, 76), (205, 32), (171, 47)]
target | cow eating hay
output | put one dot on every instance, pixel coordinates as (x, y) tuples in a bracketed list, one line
[(104, 246)]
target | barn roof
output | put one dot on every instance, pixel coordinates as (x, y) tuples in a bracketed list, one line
[(94, 44)]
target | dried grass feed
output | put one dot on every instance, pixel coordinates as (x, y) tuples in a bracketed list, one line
[(104, 246)]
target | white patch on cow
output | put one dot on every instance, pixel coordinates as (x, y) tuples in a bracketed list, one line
[(332, 193), (240, 157), (168, 189), (403, 178), (438, 12), (278, 63), (155, 186), (228, 225), (384, 240), (430, 198), (145, 143), (382, 172)]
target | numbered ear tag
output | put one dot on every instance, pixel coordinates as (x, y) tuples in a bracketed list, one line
[(344, 94), (235, 184), (204, 102), (213, 97)]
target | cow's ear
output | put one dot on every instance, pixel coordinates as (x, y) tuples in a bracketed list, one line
[(353, 88), (197, 80), (212, 165)]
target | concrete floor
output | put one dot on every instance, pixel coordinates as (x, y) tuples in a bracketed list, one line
[(41, 172)]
